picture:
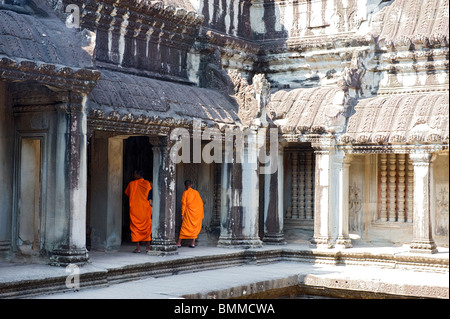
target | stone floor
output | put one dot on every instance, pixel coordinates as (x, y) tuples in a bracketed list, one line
[(211, 272)]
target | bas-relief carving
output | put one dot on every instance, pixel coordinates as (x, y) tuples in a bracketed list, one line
[(442, 220), (315, 17), (252, 99), (353, 75), (400, 119), (356, 221)]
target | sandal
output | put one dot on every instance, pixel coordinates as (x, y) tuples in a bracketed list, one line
[(136, 251), (191, 246)]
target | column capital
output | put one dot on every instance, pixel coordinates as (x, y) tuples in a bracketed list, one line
[(421, 158), (347, 158), (323, 144), (161, 141), (342, 158)]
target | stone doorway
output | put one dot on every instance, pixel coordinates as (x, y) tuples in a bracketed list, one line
[(29, 199), (112, 160), (137, 154), (206, 180)]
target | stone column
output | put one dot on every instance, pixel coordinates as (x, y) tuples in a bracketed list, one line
[(322, 220), (422, 234), (69, 220), (273, 204), (164, 200), (340, 207), (6, 169), (240, 198)]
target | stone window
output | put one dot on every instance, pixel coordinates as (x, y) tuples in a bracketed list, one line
[(395, 188), (302, 186)]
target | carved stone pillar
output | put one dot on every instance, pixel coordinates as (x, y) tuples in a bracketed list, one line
[(273, 204), (410, 191), (240, 199), (340, 206), (69, 237), (164, 200), (383, 186), (322, 228), (401, 217), (309, 186), (301, 186), (294, 213), (422, 234), (392, 186)]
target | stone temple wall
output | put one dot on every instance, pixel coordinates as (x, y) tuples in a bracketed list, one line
[(358, 90)]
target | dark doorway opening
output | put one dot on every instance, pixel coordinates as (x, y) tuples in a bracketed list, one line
[(137, 154)]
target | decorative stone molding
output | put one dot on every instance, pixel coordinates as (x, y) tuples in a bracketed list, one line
[(72, 79), (399, 119), (139, 11)]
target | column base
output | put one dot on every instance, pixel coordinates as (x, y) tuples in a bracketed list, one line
[(423, 247), (342, 243), (239, 243), (321, 242), (162, 248), (5, 246), (274, 239), (63, 257)]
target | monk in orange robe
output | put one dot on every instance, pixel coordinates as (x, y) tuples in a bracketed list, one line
[(140, 210), (191, 214)]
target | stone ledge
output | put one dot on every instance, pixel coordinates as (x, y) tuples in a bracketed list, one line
[(98, 273)]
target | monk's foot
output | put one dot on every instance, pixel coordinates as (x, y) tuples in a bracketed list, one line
[(191, 246), (136, 251)]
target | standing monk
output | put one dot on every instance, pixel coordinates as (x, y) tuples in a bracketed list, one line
[(191, 214), (140, 210)]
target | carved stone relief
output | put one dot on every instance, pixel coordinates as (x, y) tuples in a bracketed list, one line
[(252, 99), (442, 220), (355, 212)]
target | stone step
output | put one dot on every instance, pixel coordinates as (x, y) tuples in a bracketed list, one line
[(21, 281)]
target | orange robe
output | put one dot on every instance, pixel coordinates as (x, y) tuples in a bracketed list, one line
[(140, 210), (192, 211)]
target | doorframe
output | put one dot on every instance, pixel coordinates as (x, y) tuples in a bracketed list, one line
[(19, 137)]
